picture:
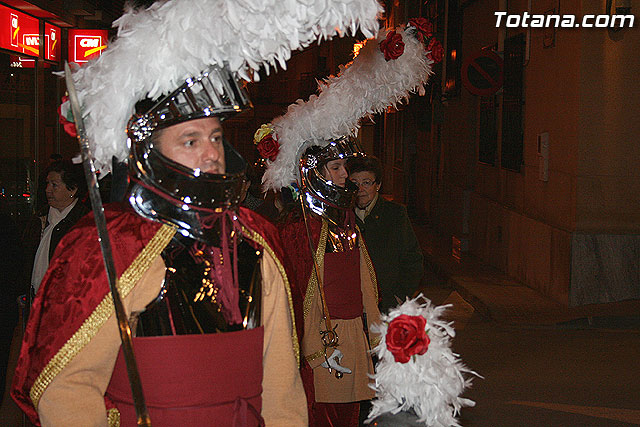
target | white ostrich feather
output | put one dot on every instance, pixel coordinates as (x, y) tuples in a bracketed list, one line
[(158, 48), (366, 86), (429, 384)]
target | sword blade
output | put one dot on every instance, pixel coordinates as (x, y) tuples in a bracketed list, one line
[(107, 256)]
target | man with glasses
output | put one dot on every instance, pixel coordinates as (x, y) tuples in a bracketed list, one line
[(388, 234)]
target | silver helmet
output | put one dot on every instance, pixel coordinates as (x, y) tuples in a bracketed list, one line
[(167, 191), (320, 194)]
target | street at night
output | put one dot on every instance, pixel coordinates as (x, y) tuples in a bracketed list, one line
[(222, 212), (569, 374)]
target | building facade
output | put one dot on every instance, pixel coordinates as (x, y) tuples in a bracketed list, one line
[(538, 179)]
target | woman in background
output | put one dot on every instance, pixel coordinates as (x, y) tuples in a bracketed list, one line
[(63, 190)]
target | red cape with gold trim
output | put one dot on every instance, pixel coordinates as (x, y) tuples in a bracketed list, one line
[(299, 266), (75, 285)]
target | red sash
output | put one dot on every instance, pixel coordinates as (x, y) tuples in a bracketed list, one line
[(211, 379), (342, 284)]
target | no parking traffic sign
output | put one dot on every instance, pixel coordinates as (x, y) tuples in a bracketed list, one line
[(482, 73)]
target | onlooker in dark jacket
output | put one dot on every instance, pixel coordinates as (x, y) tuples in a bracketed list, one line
[(63, 190), (64, 184), (390, 239)]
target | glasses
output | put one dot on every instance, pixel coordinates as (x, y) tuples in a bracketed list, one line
[(367, 183)]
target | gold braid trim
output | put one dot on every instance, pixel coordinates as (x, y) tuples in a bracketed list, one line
[(367, 259), (375, 341), (312, 286), (315, 355), (256, 237), (113, 417), (102, 312)]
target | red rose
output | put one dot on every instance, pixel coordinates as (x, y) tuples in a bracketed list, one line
[(406, 336), (268, 147), (424, 27), (393, 46), (70, 129), (435, 51)]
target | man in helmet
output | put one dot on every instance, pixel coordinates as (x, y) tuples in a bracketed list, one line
[(201, 279), (333, 275), (207, 289), (335, 285)]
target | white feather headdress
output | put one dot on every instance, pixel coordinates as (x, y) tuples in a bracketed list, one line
[(430, 383), (159, 47), (366, 86)]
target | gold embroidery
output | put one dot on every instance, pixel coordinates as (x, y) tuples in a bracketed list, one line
[(375, 341), (102, 312), (113, 417), (256, 237), (367, 259), (314, 356), (312, 286)]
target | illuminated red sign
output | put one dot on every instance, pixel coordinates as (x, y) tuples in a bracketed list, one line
[(86, 44), (52, 41), (16, 61), (19, 32)]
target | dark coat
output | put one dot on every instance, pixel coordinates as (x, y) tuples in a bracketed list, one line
[(33, 232), (78, 211), (394, 250)]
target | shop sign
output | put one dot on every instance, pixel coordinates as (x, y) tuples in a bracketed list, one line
[(52, 40), (86, 44), (19, 32), (17, 61)]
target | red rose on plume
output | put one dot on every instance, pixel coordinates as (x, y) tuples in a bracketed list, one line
[(436, 52), (424, 27), (406, 337), (268, 147), (392, 47)]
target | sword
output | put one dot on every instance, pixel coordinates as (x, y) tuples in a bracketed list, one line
[(105, 245)]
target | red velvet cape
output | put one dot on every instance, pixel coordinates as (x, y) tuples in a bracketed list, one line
[(299, 265), (76, 283)]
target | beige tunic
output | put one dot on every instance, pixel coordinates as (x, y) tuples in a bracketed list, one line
[(75, 397), (352, 339)]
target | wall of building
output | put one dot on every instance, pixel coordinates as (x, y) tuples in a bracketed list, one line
[(513, 220), (608, 179), (581, 88)]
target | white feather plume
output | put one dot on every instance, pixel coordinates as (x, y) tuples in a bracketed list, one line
[(430, 384), (366, 86), (158, 48)]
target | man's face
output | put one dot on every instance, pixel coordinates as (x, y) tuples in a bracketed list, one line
[(367, 187), (196, 144), (336, 172)]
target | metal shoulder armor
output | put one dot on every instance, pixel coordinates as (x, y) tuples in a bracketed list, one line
[(188, 302)]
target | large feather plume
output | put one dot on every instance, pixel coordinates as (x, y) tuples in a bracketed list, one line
[(366, 86), (159, 47), (430, 384)]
